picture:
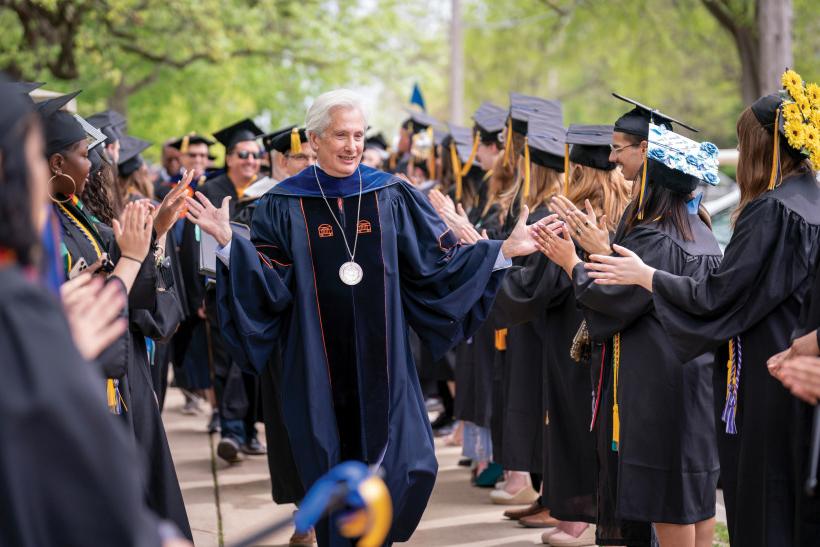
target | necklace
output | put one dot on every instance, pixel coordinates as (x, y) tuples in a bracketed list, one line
[(350, 273)]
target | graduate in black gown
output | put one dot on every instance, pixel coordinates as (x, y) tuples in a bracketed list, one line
[(68, 470), (754, 300), (122, 251), (656, 447), (349, 388)]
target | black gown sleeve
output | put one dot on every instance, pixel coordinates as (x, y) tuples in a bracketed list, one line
[(66, 466), (530, 287), (760, 269)]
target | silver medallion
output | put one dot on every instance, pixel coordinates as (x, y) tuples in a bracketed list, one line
[(351, 273)]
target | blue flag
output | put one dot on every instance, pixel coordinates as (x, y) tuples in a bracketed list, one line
[(417, 98)]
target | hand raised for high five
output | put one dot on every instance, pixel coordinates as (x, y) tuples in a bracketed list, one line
[(553, 240), (589, 232), (211, 220), (173, 205)]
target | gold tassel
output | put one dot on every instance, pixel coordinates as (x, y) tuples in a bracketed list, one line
[(111, 395), (186, 142), (501, 339), (776, 151), (508, 143), (643, 186), (295, 141), (566, 169), (456, 169), (469, 163), (616, 415), (526, 193)]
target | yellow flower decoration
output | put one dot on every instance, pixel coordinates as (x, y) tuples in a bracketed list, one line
[(791, 79), (811, 137), (804, 104), (791, 112), (813, 94), (815, 159), (815, 118), (795, 134)]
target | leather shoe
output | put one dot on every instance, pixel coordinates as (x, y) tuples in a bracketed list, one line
[(308, 539), (516, 514), (542, 519)]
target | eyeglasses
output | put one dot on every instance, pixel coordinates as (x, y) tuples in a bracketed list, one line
[(245, 154), (619, 149)]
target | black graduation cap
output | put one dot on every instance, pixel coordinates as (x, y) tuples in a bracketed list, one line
[(463, 139), (61, 128), (418, 121), (547, 139), (95, 158), (376, 141), (21, 88), (185, 141), (13, 104), (286, 141), (636, 121), (110, 122), (765, 110), (130, 158), (241, 131), (523, 106), (590, 145), (489, 121)]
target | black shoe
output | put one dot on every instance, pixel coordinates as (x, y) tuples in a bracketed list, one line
[(228, 450), (465, 462), (254, 448), (214, 425), (442, 421)]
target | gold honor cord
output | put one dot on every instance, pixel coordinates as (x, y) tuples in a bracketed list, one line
[(431, 157), (616, 415), (469, 163), (643, 185)]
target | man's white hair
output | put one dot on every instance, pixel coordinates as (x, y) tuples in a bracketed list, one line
[(320, 112)]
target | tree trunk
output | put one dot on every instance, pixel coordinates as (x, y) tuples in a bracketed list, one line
[(456, 65), (774, 27)]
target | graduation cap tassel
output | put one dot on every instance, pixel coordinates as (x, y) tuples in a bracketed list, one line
[(456, 169), (643, 186), (295, 141), (733, 366), (616, 416), (776, 151), (566, 169), (501, 339), (508, 143), (431, 157), (526, 193), (111, 395), (186, 141), (469, 163)]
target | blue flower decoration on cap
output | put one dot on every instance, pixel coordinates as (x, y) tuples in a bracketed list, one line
[(698, 159)]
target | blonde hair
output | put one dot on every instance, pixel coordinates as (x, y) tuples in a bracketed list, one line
[(607, 191)]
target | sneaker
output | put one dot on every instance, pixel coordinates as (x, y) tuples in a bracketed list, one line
[(308, 539), (442, 421), (228, 450), (433, 405), (191, 407), (213, 425), (254, 448)]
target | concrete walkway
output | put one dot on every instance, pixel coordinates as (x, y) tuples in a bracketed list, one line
[(226, 503)]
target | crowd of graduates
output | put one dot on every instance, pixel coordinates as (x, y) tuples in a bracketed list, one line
[(620, 375)]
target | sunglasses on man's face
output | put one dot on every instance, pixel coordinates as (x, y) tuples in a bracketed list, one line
[(245, 154)]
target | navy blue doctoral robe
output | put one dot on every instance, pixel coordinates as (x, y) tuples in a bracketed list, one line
[(349, 388)]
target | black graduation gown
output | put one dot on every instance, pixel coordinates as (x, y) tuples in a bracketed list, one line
[(149, 314), (666, 465), (756, 294), (522, 419), (66, 468), (540, 289), (349, 388)]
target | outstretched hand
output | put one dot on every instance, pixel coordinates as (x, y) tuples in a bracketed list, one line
[(173, 206), (210, 219), (521, 242), (627, 269), (132, 230), (554, 242), (589, 232), (92, 308)]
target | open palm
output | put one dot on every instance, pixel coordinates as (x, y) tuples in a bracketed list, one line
[(211, 220)]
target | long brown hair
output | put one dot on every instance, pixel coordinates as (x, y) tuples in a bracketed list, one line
[(664, 206), (754, 165), (608, 191), (139, 181), (502, 178)]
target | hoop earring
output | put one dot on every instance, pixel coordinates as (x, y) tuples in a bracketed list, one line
[(66, 200)]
